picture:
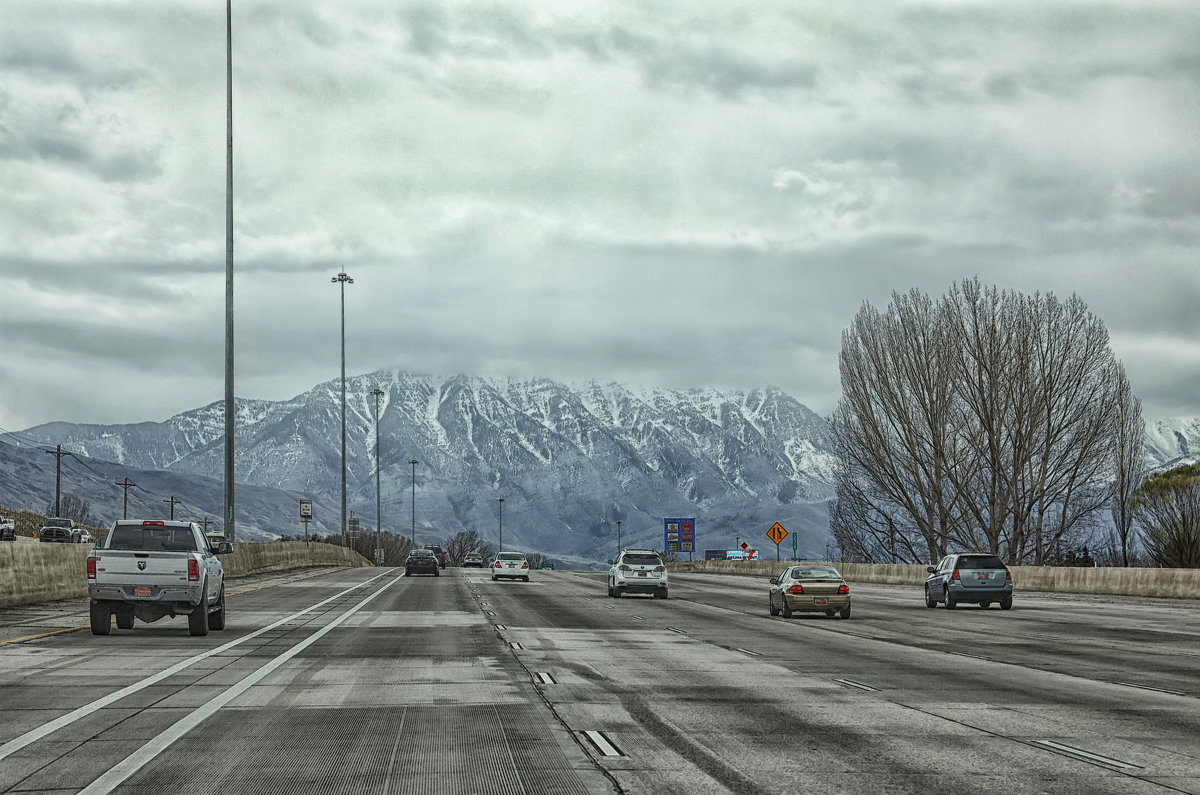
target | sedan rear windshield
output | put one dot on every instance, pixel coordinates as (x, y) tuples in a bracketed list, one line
[(641, 559), (421, 553), (980, 562), (815, 573), (511, 556), (152, 538)]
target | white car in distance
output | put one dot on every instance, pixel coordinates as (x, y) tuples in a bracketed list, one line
[(511, 565), (638, 571)]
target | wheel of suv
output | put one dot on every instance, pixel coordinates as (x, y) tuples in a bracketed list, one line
[(1006, 602), (929, 600), (437, 573), (660, 594), (618, 591), (101, 618), (951, 602), (610, 591), (985, 604), (198, 618)]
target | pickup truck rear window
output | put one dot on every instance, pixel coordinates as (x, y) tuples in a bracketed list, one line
[(148, 538)]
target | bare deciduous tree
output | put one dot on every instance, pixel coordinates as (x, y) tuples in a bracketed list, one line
[(1129, 460)]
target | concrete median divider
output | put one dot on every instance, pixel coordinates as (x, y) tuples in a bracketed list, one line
[(35, 572), (1162, 583)]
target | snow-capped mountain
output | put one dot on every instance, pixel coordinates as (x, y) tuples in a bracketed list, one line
[(1171, 442), (568, 460)]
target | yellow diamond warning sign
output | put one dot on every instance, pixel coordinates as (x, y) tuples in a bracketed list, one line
[(777, 533)]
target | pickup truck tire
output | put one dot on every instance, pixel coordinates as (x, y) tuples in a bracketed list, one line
[(101, 618), (216, 619), (198, 618), (124, 619)]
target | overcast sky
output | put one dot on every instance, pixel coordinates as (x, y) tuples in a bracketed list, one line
[(669, 194)]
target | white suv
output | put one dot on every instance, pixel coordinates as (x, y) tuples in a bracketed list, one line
[(638, 571)]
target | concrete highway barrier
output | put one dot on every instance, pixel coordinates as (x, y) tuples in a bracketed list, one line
[(1163, 583), (36, 572)]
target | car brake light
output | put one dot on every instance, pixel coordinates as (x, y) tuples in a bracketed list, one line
[(660, 568), (843, 588), (954, 576), (623, 567), (796, 589), (499, 565), (525, 565), (1007, 574), (91, 568), (193, 570), (156, 523)]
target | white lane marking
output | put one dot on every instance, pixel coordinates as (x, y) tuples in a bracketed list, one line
[(638, 618), (33, 735), (138, 759), (545, 678), (501, 626), (964, 654), (1155, 689), (516, 646), (859, 685), (490, 613), (747, 651), (602, 743), (672, 629), (1086, 756)]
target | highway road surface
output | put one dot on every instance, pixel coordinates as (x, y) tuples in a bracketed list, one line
[(366, 681)]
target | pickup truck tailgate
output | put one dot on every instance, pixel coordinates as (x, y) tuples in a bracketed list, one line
[(127, 567)]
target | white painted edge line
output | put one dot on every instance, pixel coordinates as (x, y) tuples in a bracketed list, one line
[(602, 743), (1155, 689), (964, 654), (516, 646), (747, 651), (490, 613), (638, 618), (138, 759), (501, 626), (859, 685), (680, 631), (545, 678), (33, 735), (1086, 756)]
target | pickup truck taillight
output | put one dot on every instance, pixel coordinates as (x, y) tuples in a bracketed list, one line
[(91, 567), (193, 570)]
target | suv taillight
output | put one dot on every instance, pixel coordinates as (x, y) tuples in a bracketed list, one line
[(954, 575), (660, 568), (843, 589), (193, 570), (796, 589), (623, 567), (91, 568), (1007, 574)]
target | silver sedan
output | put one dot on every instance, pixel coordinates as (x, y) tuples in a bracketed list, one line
[(809, 589)]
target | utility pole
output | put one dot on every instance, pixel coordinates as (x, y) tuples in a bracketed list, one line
[(58, 456), (125, 484), (173, 503), (230, 530), (618, 538), (501, 525), (206, 522), (377, 393), (342, 280), (414, 463)]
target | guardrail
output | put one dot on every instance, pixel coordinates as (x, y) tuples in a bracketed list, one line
[(37, 572), (1163, 583)]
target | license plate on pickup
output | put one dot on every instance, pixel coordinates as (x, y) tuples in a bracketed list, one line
[(820, 601), (143, 590)]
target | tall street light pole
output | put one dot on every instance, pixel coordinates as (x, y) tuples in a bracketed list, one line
[(414, 463), (618, 538), (342, 279), (501, 525), (377, 393), (229, 408)]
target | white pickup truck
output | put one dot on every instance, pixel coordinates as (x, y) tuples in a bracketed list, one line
[(150, 569)]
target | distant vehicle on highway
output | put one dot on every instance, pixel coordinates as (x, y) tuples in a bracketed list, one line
[(57, 530), (8, 529), (969, 577), (809, 588), (439, 553), (638, 571), (84, 536), (511, 565), (421, 561), (473, 559)]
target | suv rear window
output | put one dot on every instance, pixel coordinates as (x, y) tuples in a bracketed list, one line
[(641, 559), (980, 562)]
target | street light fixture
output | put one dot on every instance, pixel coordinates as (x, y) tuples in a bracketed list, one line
[(501, 525), (342, 279), (377, 393), (414, 463)]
